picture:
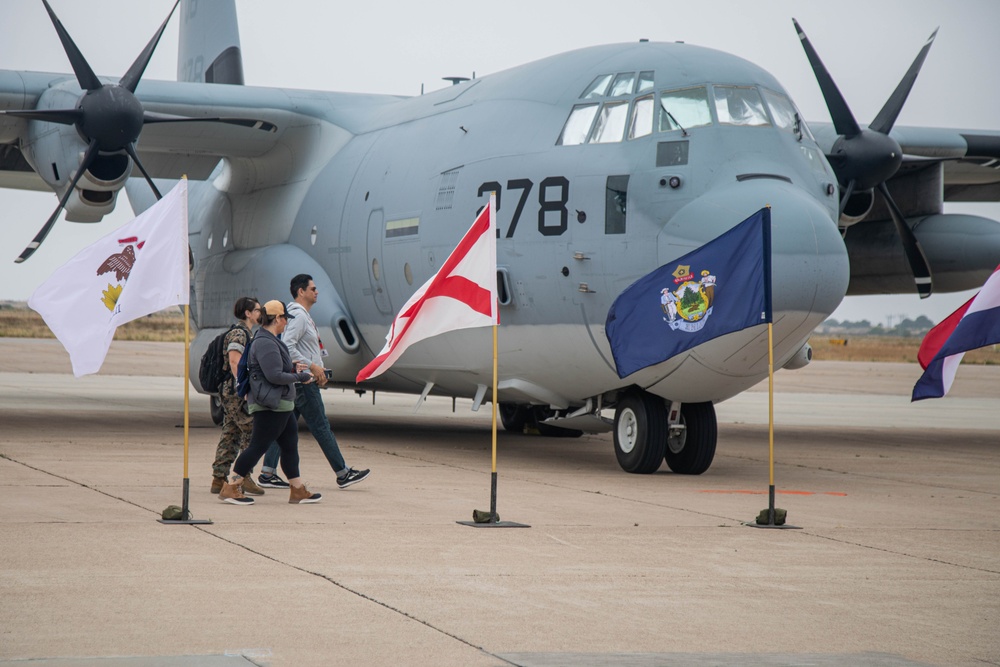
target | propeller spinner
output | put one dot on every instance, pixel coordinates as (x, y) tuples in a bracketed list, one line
[(865, 158)]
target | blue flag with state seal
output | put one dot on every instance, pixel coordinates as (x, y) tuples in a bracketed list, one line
[(722, 287)]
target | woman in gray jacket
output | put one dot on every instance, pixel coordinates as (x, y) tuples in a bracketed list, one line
[(271, 401)]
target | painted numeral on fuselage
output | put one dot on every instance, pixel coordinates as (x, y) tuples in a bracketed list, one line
[(548, 203)]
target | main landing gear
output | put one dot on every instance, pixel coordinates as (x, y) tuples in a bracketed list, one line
[(645, 437)]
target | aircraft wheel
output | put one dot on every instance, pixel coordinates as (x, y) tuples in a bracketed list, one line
[(640, 432), (215, 408), (691, 452), (513, 416)]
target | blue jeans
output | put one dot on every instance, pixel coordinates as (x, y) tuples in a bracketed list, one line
[(309, 404)]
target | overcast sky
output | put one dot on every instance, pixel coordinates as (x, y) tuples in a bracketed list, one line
[(394, 47)]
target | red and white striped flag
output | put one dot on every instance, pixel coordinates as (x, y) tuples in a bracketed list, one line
[(975, 324), (461, 295)]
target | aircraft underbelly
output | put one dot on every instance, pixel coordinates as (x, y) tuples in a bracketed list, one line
[(459, 362)]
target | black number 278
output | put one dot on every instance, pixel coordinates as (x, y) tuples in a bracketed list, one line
[(553, 195)]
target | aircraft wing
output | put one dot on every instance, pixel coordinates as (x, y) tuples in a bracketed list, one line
[(971, 158), (261, 123)]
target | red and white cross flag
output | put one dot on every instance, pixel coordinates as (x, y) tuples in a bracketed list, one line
[(461, 295), (138, 269)]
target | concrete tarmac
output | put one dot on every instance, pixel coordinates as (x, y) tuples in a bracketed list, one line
[(896, 562)]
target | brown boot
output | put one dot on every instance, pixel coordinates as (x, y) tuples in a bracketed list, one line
[(231, 493), (300, 495), (217, 483), (250, 486)]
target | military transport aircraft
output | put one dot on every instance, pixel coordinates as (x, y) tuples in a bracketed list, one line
[(607, 161)]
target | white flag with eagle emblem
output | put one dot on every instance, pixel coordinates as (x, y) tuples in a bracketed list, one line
[(138, 269)]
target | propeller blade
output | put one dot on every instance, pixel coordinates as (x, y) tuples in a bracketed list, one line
[(61, 116), (130, 149), (151, 117), (845, 196), (843, 119), (88, 157), (886, 118), (914, 253), (84, 75), (134, 73)]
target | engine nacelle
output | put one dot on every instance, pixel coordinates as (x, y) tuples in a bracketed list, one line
[(858, 206), (962, 251), (55, 151)]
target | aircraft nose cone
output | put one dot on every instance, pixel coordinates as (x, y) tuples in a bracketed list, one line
[(809, 264)]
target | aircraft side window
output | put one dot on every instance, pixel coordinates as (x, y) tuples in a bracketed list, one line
[(610, 125), (597, 88), (615, 199), (684, 108), (645, 84), (623, 85), (736, 105), (578, 124), (641, 123), (784, 114)]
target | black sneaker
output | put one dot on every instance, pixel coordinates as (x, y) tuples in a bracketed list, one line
[(352, 477), (271, 481)]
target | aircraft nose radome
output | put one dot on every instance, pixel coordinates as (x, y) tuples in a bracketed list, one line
[(810, 269)]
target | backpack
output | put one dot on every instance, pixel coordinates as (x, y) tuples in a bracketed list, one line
[(211, 372), (243, 372)]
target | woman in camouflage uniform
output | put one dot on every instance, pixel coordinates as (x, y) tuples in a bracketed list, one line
[(237, 423)]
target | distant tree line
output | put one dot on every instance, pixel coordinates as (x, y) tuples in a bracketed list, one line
[(906, 327)]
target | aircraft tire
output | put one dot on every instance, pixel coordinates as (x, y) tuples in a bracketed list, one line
[(215, 409), (640, 432), (513, 416), (692, 453)]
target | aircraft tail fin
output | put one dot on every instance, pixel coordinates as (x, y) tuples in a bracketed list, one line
[(209, 44)]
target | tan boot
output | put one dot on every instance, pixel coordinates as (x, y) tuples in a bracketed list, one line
[(231, 493), (301, 495), (217, 483), (250, 486)]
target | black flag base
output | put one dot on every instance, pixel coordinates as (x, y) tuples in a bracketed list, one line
[(770, 516), (491, 519), (181, 516)]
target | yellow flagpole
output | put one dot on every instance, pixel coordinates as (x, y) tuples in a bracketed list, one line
[(493, 472), (770, 421)]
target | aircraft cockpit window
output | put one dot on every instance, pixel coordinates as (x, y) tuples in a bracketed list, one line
[(740, 106), (577, 125), (597, 88), (610, 126), (641, 123), (623, 85), (645, 82), (784, 114), (684, 108)]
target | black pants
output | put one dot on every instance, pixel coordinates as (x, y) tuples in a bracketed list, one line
[(268, 427)]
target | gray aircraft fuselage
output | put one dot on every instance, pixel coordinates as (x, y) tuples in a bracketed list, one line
[(385, 211)]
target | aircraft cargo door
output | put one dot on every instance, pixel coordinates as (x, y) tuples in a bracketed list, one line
[(376, 274)]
